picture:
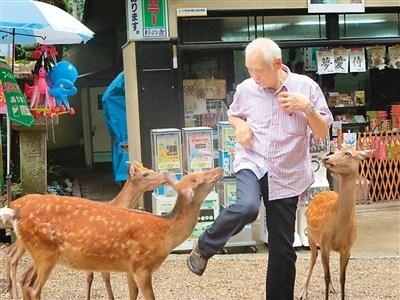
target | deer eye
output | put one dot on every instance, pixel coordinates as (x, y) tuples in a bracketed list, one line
[(347, 153), (145, 174)]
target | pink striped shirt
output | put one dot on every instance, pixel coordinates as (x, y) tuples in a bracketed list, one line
[(280, 139)]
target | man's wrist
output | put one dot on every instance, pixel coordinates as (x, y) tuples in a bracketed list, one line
[(309, 109)]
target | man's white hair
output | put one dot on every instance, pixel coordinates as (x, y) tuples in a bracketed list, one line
[(267, 47)]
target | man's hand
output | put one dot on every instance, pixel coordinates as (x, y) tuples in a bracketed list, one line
[(244, 135), (291, 102)]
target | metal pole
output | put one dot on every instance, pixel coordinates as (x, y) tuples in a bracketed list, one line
[(9, 176)]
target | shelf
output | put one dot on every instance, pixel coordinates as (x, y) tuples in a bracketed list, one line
[(346, 107)]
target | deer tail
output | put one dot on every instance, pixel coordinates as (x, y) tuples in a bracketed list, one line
[(8, 215)]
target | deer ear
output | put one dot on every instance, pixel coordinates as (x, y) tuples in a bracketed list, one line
[(363, 154), (188, 194), (170, 178)]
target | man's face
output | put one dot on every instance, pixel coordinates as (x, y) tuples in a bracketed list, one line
[(263, 74)]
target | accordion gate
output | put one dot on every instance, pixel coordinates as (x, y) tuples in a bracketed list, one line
[(380, 174)]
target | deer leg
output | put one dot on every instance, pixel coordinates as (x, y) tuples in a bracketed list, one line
[(107, 282), (313, 259), (28, 279), (327, 272), (89, 280), (133, 288), (14, 255), (344, 260), (44, 265), (143, 280)]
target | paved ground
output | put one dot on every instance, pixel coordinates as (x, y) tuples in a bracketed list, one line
[(373, 272)]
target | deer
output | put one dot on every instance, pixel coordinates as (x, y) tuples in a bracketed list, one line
[(93, 236), (331, 218), (140, 179)]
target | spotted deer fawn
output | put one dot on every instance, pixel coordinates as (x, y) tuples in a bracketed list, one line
[(140, 179), (92, 236), (331, 217)]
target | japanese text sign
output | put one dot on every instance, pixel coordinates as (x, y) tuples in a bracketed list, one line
[(147, 19), (17, 107)]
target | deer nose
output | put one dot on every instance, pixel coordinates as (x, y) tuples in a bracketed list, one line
[(325, 159)]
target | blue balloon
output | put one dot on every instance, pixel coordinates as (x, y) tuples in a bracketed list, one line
[(64, 70), (62, 78)]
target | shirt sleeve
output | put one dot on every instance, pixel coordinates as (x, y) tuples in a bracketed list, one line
[(236, 107), (319, 102)]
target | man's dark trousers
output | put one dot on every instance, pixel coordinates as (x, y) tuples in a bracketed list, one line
[(281, 217)]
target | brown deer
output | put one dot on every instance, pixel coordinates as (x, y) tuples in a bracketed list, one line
[(92, 236), (331, 217), (140, 179)]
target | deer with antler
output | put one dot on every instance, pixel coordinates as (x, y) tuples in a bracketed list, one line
[(331, 217), (140, 179), (92, 236)]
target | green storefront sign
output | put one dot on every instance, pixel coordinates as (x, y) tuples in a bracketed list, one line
[(17, 107), (147, 19)]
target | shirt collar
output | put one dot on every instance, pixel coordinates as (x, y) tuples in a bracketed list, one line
[(283, 87)]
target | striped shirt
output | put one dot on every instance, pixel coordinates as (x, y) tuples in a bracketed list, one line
[(280, 139)]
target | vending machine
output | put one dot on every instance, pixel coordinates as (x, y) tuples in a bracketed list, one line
[(166, 145), (227, 187)]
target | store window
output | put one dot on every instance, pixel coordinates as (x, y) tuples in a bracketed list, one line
[(369, 25), (246, 28)]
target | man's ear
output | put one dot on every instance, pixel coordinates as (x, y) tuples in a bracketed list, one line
[(277, 63)]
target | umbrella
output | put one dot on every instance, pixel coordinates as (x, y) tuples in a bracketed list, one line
[(29, 22)]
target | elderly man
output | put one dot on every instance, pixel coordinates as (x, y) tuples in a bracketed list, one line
[(273, 112)]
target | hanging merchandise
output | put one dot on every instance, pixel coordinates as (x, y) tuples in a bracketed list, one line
[(53, 84), (357, 60), (62, 77), (376, 57), (3, 107), (310, 59), (394, 57)]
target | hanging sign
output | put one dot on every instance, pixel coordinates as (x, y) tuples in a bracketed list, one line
[(147, 19), (326, 62), (17, 107), (335, 6), (357, 60), (341, 57), (191, 12)]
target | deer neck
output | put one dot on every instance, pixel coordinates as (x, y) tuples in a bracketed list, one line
[(346, 200), (183, 219), (127, 196)]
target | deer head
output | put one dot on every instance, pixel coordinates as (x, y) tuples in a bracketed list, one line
[(196, 186), (346, 161), (142, 175)]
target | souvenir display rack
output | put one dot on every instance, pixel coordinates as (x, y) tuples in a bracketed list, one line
[(383, 169)]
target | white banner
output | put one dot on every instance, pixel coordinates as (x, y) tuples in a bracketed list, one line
[(357, 60), (326, 62), (341, 60)]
